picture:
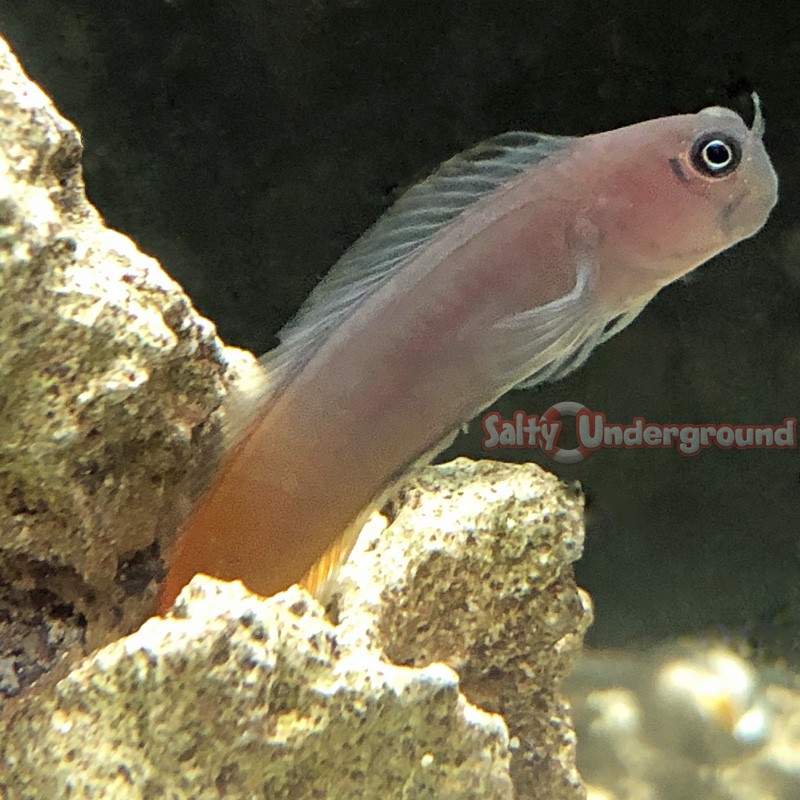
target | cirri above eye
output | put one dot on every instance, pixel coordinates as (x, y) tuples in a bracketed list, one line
[(715, 155)]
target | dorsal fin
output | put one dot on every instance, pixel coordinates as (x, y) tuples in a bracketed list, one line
[(415, 219)]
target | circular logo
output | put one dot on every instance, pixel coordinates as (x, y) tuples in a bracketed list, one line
[(554, 414)]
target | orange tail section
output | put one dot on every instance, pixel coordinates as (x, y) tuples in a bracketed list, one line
[(279, 506)]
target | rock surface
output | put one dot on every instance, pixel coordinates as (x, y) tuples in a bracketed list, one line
[(472, 573), (108, 384), (238, 697), (233, 695)]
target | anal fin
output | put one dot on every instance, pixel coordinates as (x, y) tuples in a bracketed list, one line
[(320, 578)]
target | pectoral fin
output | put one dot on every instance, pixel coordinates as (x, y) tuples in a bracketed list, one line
[(552, 340)]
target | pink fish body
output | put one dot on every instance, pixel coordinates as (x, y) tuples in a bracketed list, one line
[(507, 266)]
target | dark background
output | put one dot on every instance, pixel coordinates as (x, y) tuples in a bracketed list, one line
[(247, 144)]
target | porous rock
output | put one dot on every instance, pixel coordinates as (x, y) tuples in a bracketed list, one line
[(108, 386), (237, 696), (474, 572)]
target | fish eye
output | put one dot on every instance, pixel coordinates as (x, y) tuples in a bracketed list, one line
[(715, 155)]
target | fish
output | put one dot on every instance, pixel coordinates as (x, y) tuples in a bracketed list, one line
[(504, 268)]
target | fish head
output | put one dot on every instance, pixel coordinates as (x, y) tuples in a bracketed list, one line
[(725, 162), (677, 191)]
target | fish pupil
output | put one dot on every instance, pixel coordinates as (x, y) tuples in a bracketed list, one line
[(715, 155)]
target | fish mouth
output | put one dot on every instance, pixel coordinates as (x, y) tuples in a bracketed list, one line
[(727, 212), (757, 208)]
